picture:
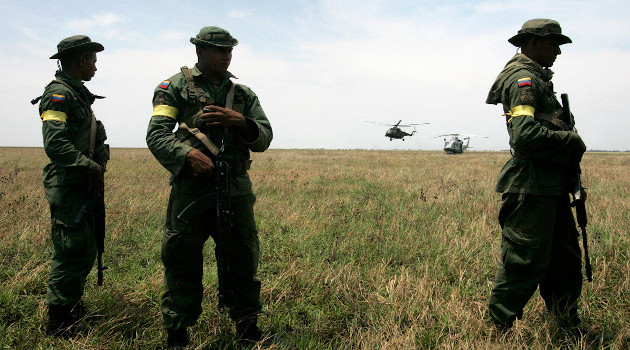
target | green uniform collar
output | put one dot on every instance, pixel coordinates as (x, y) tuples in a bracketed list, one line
[(78, 86), (518, 62), (61, 75)]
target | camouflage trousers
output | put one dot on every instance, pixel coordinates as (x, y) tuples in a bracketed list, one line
[(74, 245), (539, 248), (182, 255)]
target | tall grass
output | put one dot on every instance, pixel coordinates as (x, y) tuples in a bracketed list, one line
[(360, 250)]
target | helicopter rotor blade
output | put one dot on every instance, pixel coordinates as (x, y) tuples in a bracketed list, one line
[(483, 137), (381, 124), (463, 135), (469, 136), (412, 124), (445, 135), (397, 124), (385, 124)]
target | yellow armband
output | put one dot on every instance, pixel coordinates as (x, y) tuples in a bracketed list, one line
[(54, 115), (520, 110), (165, 110)]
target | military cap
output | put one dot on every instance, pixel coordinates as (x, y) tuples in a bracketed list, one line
[(539, 27), (214, 36), (77, 43)]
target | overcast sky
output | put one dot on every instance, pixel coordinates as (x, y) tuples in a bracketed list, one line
[(323, 68)]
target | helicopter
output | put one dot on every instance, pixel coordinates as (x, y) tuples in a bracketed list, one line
[(456, 145), (395, 132)]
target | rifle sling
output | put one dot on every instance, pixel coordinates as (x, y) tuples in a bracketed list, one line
[(92, 136), (201, 137), (553, 119)]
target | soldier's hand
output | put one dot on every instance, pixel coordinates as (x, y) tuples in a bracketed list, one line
[(95, 172), (200, 163), (219, 116), (578, 148)]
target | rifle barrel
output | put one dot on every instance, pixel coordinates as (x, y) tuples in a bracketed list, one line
[(587, 260)]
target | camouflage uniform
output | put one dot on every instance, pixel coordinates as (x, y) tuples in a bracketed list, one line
[(175, 103), (540, 241), (66, 113)]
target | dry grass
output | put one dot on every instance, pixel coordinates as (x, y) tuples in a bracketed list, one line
[(360, 250)]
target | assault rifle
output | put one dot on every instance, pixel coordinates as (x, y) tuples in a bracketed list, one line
[(220, 201), (576, 191), (96, 205)]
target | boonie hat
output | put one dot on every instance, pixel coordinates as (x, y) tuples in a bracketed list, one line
[(539, 27), (214, 36), (77, 43)]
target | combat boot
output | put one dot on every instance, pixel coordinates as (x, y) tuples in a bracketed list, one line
[(78, 311), (569, 322), (177, 338), (60, 321), (247, 331)]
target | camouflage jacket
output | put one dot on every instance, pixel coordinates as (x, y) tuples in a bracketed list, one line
[(540, 134), (173, 105), (66, 112)]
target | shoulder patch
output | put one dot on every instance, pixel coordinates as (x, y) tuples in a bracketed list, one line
[(58, 98), (524, 82), (159, 98), (165, 84), (527, 96)]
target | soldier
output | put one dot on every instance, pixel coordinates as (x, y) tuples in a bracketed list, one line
[(74, 142), (539, 244), (215, 117)]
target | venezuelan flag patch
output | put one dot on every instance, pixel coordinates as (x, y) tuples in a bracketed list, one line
[(58, 98), (525, 82), (165, 84)]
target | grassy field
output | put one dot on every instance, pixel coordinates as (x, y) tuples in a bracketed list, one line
[(360, 250)]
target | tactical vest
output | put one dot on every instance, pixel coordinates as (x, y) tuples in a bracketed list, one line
[(191, 133)]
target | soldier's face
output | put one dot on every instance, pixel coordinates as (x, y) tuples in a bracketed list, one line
[(548, 50), (216, 58), (88, 66)]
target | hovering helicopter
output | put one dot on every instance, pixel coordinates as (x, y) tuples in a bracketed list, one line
[(456, 145), (395, 132)]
